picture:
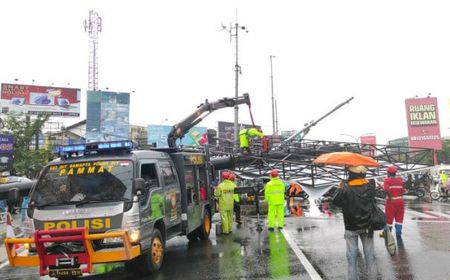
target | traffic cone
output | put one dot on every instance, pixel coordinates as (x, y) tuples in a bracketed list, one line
[(10, 230)]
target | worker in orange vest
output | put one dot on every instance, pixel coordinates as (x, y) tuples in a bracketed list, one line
[(294, 208)]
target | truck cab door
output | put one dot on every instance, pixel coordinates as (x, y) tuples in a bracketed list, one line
[(194, 207), (152, 200), (172, 193)]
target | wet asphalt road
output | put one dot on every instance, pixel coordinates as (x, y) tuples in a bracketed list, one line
[(314, 241)]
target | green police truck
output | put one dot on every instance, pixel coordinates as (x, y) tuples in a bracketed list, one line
[(108, 202)]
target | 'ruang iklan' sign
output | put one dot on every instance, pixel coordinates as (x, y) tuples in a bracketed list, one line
[(423, 123), (31, 99)]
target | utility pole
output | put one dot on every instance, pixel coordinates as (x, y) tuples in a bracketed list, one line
[(234, 32), (274, 129), (276, 118), (93, 25)]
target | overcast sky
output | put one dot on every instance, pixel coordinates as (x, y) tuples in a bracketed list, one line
[(173, 55)]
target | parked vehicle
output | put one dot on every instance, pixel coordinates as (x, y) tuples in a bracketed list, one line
[(438, 192)]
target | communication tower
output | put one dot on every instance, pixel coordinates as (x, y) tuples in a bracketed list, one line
[(93, 25)]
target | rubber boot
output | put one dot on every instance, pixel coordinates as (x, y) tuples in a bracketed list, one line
[(398, 229)]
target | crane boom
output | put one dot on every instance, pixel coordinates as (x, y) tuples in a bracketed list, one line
[(302, 133), (181, 128)]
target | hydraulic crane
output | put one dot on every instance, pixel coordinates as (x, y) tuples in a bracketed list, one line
[(181, 128)]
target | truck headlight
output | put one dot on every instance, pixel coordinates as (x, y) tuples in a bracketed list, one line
[(134, 234)]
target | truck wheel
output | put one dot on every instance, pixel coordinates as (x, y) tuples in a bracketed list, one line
[(152, 260), (205, 228)]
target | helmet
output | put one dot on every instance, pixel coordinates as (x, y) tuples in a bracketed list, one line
[(358, 169), (392, 169), (274, 173), (226, 175), (231, 176)]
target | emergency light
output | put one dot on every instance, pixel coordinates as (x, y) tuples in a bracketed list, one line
[(94, 148)]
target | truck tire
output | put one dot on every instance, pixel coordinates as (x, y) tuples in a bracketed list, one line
[(193, 235), (205, 228), (152, 260)]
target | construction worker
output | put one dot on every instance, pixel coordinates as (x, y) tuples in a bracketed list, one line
[(395, 206), (443, 178), (274, 195), (224, 192), (244, 136), (237, 200)]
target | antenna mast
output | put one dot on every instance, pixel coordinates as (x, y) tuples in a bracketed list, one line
[(234, 32), (93, 25)]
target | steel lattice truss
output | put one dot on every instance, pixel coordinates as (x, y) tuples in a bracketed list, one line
[(294, 160)]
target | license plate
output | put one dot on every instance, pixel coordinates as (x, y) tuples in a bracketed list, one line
[(65, 272)]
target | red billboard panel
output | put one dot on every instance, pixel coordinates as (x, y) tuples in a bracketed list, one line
[(31, 99), (368, 145), (423, 123)]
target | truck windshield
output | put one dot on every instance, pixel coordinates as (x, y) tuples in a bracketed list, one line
[(84, 182)]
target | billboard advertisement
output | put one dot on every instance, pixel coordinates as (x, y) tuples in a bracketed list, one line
[(157, 136), (6, 152), (107, 116), (31, 99), (423, 123), (368, 145), (226, 131)]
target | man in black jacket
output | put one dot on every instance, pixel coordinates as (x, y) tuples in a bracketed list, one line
[(356, 196)]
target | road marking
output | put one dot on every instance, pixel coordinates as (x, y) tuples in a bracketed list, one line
[(308, 266), (419, 214), (4, 264), (439, 214)]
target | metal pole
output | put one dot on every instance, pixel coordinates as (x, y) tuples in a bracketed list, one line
[(236, 108), (273, 100), (276, 118)]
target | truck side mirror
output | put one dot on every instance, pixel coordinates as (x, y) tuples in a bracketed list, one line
[(13, 196), (139, 186)]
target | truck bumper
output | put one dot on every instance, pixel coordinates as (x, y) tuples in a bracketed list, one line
[(85, 259)]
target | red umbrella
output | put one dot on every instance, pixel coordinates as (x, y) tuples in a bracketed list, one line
[(346, 159)]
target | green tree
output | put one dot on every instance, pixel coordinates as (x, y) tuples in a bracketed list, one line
[(444, 154), (28, 160)]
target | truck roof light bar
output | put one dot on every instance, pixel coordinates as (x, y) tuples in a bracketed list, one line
[(94, 148)]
